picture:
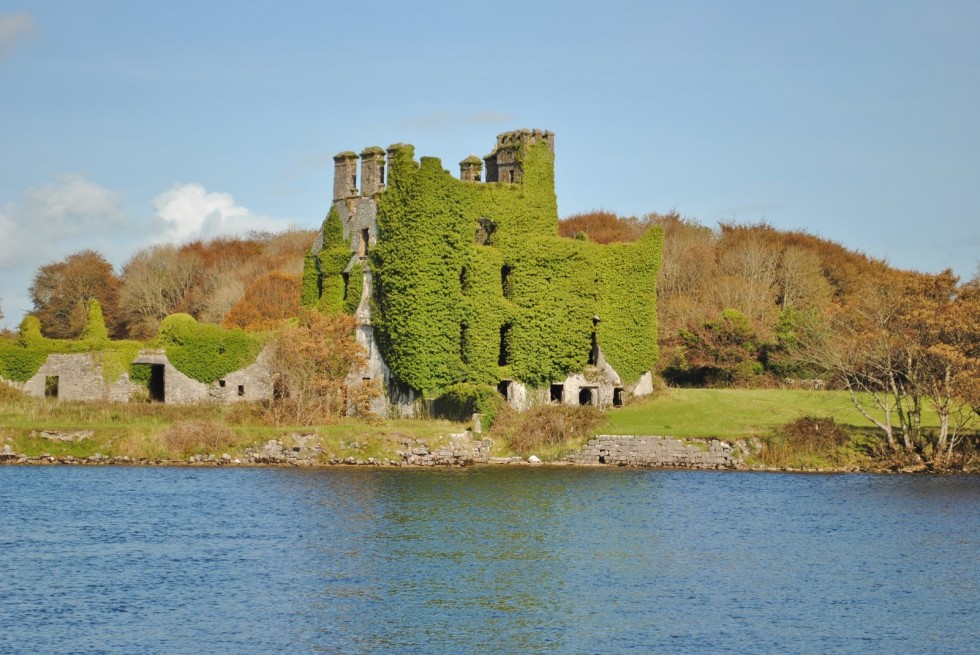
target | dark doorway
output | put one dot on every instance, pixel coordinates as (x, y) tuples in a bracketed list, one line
[(504, 388), (156, 386), (618, 397), (557, 393), (586, 396), (51, 386)]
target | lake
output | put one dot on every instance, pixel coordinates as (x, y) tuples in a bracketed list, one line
[(485, 560)]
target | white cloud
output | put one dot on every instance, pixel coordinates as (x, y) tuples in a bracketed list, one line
[(70, 212), (189, 211), (53, 220), (49, 222), (13, 28)]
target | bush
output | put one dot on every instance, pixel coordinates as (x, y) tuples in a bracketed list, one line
[(546, 426), (807, 440), (197, 437), (462, 400)]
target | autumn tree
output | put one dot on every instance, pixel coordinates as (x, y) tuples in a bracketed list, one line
[(311, 361), (268, 301), (605, 227), (900, 341), (61, 291)]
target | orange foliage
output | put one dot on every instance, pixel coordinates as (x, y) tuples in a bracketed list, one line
[(267, 302), (605, 227)]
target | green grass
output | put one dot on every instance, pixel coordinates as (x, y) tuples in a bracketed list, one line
[(732, 413), (136, 429)]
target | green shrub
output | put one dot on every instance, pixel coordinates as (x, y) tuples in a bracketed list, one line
[(460, 401), (95, 329), (203, 351)]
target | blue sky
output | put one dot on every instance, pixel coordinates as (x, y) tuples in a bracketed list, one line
[(130, 123)]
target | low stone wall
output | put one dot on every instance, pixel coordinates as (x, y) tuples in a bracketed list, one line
[(657, 452)]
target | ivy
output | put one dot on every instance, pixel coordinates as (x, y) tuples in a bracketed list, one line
[(332, 260), (355, 288), (20, 360), (473, 284), (203, 351)]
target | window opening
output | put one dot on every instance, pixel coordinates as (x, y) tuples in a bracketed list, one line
[(241, 390), (504, 358), (505, 271), (221, 383), (594, 351), (362, 245), (51, 386), (464, 333), (504, 388), (586, 396), (557, 393)]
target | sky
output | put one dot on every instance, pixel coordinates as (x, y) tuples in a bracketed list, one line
[(125, 124)]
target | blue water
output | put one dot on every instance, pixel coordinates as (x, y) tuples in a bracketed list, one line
[(171, 560)]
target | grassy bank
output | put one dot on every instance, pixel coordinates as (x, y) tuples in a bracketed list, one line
[(156, 431), (733, 413)]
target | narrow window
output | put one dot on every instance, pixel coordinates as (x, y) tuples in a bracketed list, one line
[(504, 358), (353, 181), (557, 393), (381, 172), (464, 333), (504, 280), (463, 282), (241, 390), (51, 386), (504, 388), (594, 352), (362, 246)]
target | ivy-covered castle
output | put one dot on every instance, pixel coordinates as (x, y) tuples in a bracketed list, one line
[(466, 280)]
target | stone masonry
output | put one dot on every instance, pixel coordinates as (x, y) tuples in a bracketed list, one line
[(656, 452)]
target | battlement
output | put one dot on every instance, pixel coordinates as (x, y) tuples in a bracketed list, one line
[(502, 165)]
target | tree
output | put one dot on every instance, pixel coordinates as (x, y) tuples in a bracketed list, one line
[(155, 283), (61, 291), (311, 361), (899, 341), (268, 301)]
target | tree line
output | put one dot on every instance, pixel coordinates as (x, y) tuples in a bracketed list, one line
[(740, 305), (750, 305), (248, 282)]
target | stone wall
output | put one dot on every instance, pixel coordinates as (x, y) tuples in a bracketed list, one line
[(77, 376), (657, 452)]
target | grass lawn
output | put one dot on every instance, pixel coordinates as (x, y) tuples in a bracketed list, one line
[(732, 413)]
